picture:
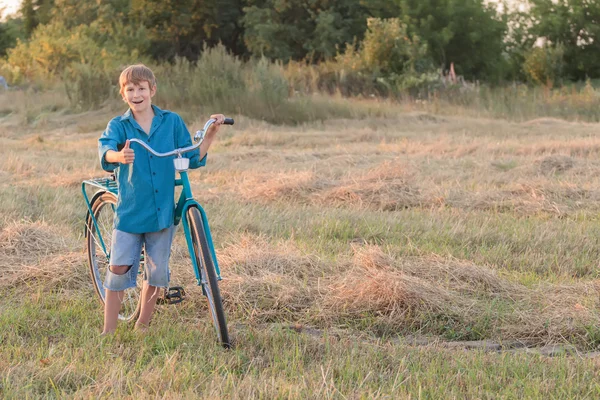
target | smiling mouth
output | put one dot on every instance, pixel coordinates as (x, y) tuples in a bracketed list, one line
[(137, 102)]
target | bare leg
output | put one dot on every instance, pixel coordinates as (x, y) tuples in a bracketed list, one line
[(149, 296), (113, 301), (112, 305)]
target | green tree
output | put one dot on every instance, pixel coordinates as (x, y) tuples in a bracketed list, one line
[(574, 25), (388, 49), (43, 11), (30, 21), (468, 33), (53, 49), (10, 31), (388, 61), (34, 13), (73, 13), (296, 29), (519, 43), (184, 27)]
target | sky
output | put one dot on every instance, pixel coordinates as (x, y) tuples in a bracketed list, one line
[(10, 6)]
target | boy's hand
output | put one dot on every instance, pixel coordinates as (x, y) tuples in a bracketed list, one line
[(126, 155), (214, 128)]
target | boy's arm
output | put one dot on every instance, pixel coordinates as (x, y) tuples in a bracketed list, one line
[(211, 133), (198, 158), (208, 138), (184, 140), (111, 138)]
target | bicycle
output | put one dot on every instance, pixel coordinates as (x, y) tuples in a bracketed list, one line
[(99, 227)]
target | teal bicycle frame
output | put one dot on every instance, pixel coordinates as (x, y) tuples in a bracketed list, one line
[(186, 200)]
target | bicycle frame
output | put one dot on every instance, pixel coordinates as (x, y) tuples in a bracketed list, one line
[(186, 200)]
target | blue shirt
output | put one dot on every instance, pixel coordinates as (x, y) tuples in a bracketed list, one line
[(146, 201)]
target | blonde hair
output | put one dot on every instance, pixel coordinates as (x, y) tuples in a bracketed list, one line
[(136, 74)]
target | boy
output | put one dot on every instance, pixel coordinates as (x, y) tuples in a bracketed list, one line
[(146, 202)]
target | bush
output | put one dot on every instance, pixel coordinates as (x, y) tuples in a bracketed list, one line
[(387, 49), (545, 65), (82, 57), (215, 80), (88, 86), (51, 50), (387, 63), (219, 81), (11, 73), (267, 83)]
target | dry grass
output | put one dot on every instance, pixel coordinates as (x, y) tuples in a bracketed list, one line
[(411, 162), (30, 240), (400, 292), (462, 276), (556, 164), (387, 292), (393, 185), (267, 282), (35, 253), (387, 187), (448, 166)]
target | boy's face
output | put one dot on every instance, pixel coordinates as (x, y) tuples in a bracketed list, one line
[(138, 96)]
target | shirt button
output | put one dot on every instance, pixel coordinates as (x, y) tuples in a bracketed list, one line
[(158, 208), (154, 173), (156, 191)]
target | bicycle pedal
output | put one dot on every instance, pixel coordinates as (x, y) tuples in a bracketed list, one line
[(172, 295)]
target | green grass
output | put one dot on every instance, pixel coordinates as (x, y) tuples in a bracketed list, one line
[(551, 249), (520, 102), (51, 349)]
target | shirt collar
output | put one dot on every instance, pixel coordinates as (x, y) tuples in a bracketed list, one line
[(129, 115)]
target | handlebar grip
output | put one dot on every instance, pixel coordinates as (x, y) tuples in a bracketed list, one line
[(228, 121)]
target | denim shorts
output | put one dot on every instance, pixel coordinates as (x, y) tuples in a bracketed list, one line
[(126, 249)]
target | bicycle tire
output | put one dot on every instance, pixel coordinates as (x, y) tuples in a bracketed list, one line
[(103, 206), (208, 274)]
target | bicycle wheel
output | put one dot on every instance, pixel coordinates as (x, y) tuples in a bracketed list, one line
[(103, 206), (208, 274)]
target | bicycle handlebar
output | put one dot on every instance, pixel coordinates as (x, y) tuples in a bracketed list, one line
[(198, 137)]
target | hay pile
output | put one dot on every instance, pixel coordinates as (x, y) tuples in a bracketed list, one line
[(414, 291), (268, 282), (462, 276), (387, 187), (287, 186), (556, 164), (34, 252)]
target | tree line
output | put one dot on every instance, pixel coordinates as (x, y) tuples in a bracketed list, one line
[(546, 42)]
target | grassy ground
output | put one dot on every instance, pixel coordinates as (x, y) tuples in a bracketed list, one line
[(370, 230)]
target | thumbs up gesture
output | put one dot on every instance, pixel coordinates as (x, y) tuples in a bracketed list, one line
[(126, 155)]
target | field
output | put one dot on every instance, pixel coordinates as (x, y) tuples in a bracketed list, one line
[(404, 255)]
